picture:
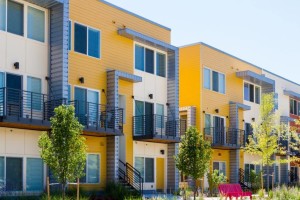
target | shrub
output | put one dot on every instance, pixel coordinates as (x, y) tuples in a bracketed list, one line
[(214, 179)]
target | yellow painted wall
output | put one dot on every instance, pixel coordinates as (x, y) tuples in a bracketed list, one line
[(189, 78), (160, 173)]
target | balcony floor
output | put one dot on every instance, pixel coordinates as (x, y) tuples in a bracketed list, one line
[(225, 146), (157, 139)]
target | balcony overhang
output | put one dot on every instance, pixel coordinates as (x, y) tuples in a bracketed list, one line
[(139, 37), (291, 94), (157, 139), (126, 76), (240, 105), (256, 78)]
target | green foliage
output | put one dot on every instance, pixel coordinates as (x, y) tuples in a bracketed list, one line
[(255, 180), (214, 179), (194, 154), (64, 151), (117, 191)]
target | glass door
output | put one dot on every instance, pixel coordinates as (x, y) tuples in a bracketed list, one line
[(14, 174), (14, 95), (219, 130), (139, 118), (93, 108), (80, 105), (149, 122)]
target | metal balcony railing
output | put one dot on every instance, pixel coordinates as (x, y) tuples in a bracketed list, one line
[(158, 125), (22, 104), (223, 136)]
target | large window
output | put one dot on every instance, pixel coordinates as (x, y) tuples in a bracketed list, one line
[(14, 174), (249, 168), (252, 93), (145, 61), (15, 15), (92, 169), (34, 97), (36, 24), (146, 167), (294, 107), (3, 15), (214, 80), (87, 40), (220, 166), (34, 174)]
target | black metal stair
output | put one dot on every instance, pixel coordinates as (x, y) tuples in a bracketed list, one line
[(130, 178), (246, 186)]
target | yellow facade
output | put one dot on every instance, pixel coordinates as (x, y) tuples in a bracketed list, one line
[(116, 53), (193, 59)]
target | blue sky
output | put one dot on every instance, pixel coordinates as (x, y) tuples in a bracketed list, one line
[(263, 32)]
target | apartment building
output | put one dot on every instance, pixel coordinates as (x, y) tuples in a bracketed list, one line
[(220, 94), (116, 68)]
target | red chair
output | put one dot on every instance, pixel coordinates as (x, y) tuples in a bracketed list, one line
[(233, 190)]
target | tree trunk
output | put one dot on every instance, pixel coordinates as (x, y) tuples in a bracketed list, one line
[(63, 191), (195, 188), (268, 180)]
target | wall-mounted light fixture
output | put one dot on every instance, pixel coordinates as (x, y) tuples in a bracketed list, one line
[(253, 119), (103, 90), (47, 78), (132, 96), (243, 120), (17, 65), (167, 104), (162, 152), (81, 79), (227, 116), (217, 110), (150, 96), (203, 111)]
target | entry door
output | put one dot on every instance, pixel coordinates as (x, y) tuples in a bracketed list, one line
[(139, 118), (80, 105), (14, 95), (219, 130), (160, 174), (149, 121), (93, 108)]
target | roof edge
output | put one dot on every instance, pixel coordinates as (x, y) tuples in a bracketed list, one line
[(135, 15)]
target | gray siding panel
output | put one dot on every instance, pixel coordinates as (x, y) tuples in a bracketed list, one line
[(234, 164), (173, 173)]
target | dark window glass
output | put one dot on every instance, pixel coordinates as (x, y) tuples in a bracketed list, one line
[(291, 106), (2, 15), (35, 24), (15, 18), (161, 64), (257, 95), (70, 35), (215, 81), (139, 57), (14, 174), (80, 39), (246, 91), (149, 170), (251, 93), (94, 43), (295, 108), (150, 61)]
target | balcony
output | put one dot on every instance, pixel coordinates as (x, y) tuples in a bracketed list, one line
[(225, 138), (23, 109), (158, 128), (30, 110)]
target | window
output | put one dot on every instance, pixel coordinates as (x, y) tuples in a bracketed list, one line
[(207, 124), (249, 168), (87, 40), (69, 92), (3, 15), (252, 93), (207, 78), (276, 101), (218, 81), (160, 115), (161, 64), (14, 174), (34, 174), (92, 169), (70, 35), (146, 167), (34, 96), (276, 173), (248, 131), (15, 15), (220, 166), (293, 107), (1, 171), (36, 24), (145, 61)]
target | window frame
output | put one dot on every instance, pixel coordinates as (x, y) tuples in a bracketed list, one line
[(45, 21), (295, 109), (41, 94), (154, 167), (219, 166), (156, 51), (254, 92), (86, 169), (211, 71), (87, 40)]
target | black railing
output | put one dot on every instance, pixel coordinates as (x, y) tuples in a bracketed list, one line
[(293, 177), (158, 125), (244, 180), (223, 136), (22, 104), (131, 175)]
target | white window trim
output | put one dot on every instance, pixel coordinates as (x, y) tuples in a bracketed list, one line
[(254, 92), (155, 59), (211, 80), (217, 161), (86, 88), (154, 166), (87, 40), (86, 174), (25, 21), (297, 109)]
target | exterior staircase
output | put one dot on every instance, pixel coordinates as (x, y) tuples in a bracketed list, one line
[(130, 178), (246, 186)]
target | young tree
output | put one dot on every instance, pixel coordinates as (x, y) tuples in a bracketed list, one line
[(64, 150), (194, 155), (270, 136)]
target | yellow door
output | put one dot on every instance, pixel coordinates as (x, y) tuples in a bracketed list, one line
[(160, 174)]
